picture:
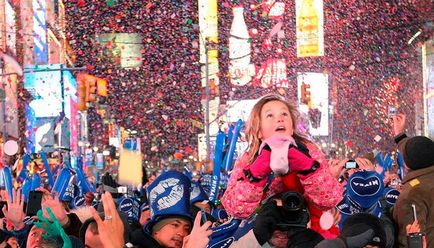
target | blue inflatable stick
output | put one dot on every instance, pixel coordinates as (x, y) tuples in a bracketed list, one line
[(62, 182), (380, 159), (84, 185), (23, 173), (400, 161), (218, 154), (47, 168), (25, 189), (388, 162), (7, 178), (228, 161), (36, 182)]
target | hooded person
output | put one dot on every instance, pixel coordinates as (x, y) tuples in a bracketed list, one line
[(199, 199), (89, 234), (199, 202), (362, 230), (169, 203), (417, 187)]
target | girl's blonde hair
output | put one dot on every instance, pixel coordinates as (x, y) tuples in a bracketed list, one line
[(253, 126)]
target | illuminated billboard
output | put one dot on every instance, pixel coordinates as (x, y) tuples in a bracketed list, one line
[(314, 101), (40, 31), (309, 28), (45, 88), (71, 114), (428, 83), (236, 110), (10, 28), (51, 117), (124, 48)]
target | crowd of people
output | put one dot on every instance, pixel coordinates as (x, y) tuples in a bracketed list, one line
[(282, 192), (365, 52)]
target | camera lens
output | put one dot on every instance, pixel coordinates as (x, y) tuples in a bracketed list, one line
[(292, 201)]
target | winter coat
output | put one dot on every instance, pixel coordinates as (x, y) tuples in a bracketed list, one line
[(418, 189), (319, 188), (141, 239)]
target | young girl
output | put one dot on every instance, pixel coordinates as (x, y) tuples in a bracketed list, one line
[(271, 127)]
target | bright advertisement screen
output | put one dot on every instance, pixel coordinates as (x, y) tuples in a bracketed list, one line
[(71, 114), (10, 27), (46, 90), (428, 75), (40, 31), (236, 110), (316, 110), (309, 28), (124, 48)]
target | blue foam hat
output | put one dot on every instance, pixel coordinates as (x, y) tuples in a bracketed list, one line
[(391, 195), (130, 207), (365, 188), (197, 194), (168, 196), (348, 207)]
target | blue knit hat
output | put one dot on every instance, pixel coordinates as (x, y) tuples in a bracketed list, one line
[(197, 193), (169, 196), (365, 188)]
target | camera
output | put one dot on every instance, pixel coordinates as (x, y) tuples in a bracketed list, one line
[(294, 211), (415, 240), (351, 164), (392, 111)]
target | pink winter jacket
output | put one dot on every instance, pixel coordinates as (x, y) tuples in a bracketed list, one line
[(242, 198)]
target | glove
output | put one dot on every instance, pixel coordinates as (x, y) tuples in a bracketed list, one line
[(266, 221), (52, 229), (300, 162), (259, 170), (109, 184), (279, 149)]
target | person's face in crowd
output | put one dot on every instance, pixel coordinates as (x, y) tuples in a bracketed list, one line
[(91, 237), (279, 239), (35, 238), (173, 233), (203, 206), (3, 194), (151, 178), (13, 242), (275, 120), (144, 217)]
